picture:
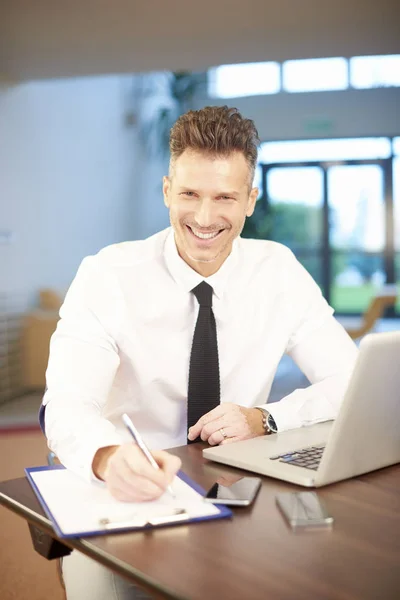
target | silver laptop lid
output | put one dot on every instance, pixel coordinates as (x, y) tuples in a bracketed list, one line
[(366, 433)]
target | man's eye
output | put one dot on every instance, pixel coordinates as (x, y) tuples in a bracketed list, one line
[(225, 198), (190, 194)]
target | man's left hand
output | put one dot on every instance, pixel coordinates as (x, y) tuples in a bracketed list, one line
[(227, 423)]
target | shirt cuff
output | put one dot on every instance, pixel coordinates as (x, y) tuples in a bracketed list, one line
[(287, 415), (281, 415)]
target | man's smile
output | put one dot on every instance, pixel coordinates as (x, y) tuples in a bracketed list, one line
[(204, 236)]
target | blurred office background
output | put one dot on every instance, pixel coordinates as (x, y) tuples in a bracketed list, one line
[(88, 92)]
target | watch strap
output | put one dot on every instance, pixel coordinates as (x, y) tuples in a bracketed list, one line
[(265, 419)]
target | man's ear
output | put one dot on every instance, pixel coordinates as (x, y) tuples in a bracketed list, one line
[(251, 202), (166, 190)]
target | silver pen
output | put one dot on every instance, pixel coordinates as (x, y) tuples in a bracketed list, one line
[(138, 439)]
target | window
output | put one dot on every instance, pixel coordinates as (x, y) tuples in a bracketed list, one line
[(317, 74), (320, 150), (257, 181), (375, 71), (250, 79), (396, 204), (296, 185), (310, 75), (396, 207)]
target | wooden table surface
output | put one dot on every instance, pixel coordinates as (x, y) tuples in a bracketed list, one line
[(255, 555)]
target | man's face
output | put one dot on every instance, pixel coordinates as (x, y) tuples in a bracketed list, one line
[(208, 200)]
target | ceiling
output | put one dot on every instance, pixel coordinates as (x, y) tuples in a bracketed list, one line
[(52, 38)]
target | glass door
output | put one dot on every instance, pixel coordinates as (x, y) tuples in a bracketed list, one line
[(357, 231), (337, 218), (295, 200), (396, 204)]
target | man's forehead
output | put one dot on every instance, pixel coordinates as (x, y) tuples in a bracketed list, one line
[(191, 156), (195, 166)]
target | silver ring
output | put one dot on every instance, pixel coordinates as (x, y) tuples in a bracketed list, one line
[(222, 431)]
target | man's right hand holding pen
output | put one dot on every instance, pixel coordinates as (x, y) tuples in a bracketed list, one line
[(128, 474)]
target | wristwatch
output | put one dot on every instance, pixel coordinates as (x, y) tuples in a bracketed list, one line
[(268, 421)]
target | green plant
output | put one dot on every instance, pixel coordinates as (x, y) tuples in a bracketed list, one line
[(175, 98), (294, 224)]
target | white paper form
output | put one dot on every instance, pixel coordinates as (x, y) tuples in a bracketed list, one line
[(77, 507)]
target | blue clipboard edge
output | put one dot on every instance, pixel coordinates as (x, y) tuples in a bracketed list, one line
[(223, 513)]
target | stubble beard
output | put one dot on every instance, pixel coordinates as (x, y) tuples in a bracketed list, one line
[(180, 235)]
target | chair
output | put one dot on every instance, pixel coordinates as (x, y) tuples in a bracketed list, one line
[(38, 327), (386, 297)]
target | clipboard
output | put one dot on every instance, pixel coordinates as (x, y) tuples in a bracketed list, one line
[(77, 508)]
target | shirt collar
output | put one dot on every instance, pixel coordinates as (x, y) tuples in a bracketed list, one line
[(187, 278)]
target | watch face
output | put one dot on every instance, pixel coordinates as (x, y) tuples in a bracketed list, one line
[(271, 423)]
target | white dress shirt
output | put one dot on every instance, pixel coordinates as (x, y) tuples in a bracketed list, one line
[(124, 338)]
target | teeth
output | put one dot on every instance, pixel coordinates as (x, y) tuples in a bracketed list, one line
[(205, 236)]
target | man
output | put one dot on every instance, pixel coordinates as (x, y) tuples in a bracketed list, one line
[(140, 333)]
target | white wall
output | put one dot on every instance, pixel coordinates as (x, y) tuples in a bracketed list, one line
[(69, 178)]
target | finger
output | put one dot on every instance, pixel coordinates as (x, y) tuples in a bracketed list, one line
[(230, 440), (140, 490), (168, 463), (147, 490), (213, 428), (120, 495), (139, 465), (218, 436), (129, 481), (231, 424), (213, 414)]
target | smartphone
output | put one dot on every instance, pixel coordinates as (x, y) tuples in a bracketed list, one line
[(239, 493), (303, 509)]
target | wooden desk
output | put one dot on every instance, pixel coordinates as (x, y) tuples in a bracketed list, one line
[(255, 555)]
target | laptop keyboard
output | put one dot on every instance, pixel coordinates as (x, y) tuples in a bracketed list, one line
[(308, 458)]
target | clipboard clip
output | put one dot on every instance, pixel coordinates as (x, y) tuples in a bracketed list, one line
[(178, 515)]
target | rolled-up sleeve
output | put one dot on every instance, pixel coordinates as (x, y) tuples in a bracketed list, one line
[(327, 357), (82, 365), (320, 347)]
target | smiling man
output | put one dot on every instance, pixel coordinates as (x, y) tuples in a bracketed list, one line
[(208, 198), (184, 331)]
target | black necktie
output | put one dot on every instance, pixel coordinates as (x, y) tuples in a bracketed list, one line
[(204, 388)]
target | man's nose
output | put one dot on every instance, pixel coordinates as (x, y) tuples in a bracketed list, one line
[(205, 213)]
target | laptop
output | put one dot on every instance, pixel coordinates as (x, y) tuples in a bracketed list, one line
[(364, 437)]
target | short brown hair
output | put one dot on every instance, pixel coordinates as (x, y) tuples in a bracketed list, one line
[(217, 130)]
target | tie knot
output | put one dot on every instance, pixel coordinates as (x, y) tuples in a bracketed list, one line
[(203, 293)]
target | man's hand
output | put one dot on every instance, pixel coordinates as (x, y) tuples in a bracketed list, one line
[(236, 422), (128, 474)]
